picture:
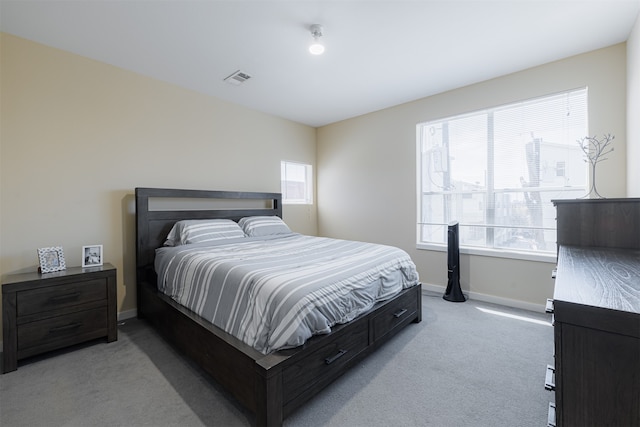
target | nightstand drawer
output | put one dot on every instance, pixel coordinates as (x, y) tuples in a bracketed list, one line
[(61, 331), (56, 297)]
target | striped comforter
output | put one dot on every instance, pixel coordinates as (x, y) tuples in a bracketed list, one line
[(275, 292)]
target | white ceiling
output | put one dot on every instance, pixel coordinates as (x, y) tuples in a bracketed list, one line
[(378, 53)]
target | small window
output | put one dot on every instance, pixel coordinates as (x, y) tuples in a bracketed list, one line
[(296, 183)]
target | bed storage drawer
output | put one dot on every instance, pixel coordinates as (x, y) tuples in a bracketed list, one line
[(395, 314), (327, 362)]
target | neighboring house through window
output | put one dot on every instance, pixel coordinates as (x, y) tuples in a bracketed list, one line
[(496, 171)]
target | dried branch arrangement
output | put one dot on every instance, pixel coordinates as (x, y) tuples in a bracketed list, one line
[(594, 150)]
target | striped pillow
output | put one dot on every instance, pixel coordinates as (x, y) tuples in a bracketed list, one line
[(255, 226), (202, 230)]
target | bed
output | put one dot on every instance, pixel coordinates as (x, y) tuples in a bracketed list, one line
[(270, 384)]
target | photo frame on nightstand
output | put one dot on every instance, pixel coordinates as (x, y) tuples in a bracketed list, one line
[(91, 256), (51, 259)]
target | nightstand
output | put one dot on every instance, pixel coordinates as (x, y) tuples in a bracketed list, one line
[(44, 312)]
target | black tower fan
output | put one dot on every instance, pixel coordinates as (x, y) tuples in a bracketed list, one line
[(453, 292)]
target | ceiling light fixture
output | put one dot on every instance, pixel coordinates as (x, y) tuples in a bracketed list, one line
[(316, 48)]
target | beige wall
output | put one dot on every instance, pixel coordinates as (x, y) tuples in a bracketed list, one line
[(77, 136), (633, 111), (367, 169)]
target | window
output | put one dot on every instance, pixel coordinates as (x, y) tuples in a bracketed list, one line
[(296, 183), (496, 171)]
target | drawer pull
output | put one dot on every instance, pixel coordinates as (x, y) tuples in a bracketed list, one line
[(65, 327), (551, 415), (400, 313), (60, 298), (549, 306), (548, 378), (330, 360)]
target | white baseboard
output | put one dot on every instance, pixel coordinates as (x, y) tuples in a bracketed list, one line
[(524, 305), (127, 314)]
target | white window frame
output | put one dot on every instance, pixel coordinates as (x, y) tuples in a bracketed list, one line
[(307, 183), (548, 255)]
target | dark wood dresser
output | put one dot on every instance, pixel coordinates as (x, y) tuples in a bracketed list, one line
[(596, 306), (44, 312)]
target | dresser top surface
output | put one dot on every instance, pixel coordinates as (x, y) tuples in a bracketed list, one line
[(600, 277), (597, 201)]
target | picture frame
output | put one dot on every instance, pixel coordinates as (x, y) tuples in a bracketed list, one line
[(91, 256), (51, 259)]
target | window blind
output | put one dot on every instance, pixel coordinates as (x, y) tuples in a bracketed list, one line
[(496, 170)]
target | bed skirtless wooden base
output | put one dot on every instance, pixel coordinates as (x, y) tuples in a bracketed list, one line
[(271, 386)]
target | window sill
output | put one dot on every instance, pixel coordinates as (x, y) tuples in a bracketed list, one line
[(525, 256)]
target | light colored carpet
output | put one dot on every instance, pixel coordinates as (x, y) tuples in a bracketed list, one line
[(466, 364)]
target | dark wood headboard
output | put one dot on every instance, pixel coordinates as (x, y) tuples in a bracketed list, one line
[(153, 223)]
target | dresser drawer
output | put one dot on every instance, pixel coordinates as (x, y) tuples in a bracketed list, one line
[(394, 314), (55, 297), (61, 331), (327, 362)]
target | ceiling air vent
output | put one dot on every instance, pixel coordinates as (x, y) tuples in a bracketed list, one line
[(237, 78)]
